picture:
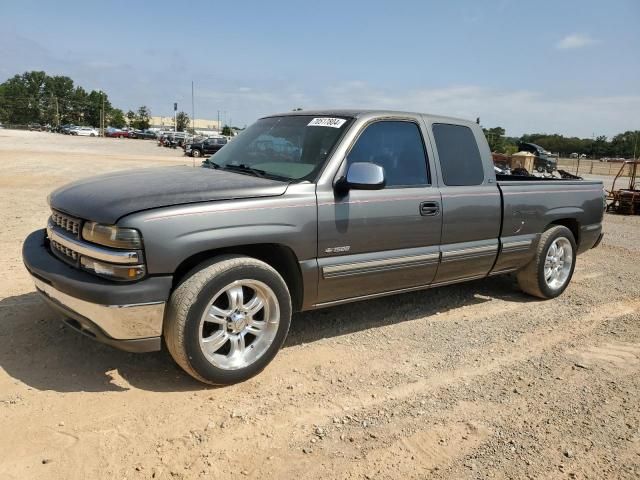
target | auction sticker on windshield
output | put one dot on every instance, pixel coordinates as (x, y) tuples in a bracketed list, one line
[(327, 122)]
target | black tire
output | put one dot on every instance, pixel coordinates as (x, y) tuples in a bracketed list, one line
[(540, 169), (182, 327), (196, 153), (532, 277)]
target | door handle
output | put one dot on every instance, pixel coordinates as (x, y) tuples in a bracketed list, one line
[(429, 209)]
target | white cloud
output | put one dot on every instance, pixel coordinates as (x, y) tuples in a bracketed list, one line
[(518, 111), (158, 86), (575, 40)]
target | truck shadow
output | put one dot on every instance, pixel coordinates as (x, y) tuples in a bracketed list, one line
[(38, 350)]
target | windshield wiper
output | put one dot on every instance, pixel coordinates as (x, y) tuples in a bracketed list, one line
[(242, 168), (210, 164)]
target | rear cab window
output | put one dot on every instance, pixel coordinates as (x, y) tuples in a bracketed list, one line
[(460, 160)]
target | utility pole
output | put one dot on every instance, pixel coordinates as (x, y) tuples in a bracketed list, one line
[(175, 117), (193, 111), (218, 121), (57, 112), (103, 116)]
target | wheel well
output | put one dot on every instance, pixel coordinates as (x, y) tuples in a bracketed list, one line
[(280, 257), (572, 224)]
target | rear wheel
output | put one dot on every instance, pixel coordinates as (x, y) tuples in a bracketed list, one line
[(228, 319), (550, 272)]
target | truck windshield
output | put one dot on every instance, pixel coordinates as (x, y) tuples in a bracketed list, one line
[(287, 148)]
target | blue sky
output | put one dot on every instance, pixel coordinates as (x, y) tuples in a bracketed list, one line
[(565, 66)]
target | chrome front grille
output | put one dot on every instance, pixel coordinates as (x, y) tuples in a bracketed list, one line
[(64, 252), (66, 223)]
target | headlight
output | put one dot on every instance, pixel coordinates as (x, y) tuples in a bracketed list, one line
[(111, 271), (112, 236)]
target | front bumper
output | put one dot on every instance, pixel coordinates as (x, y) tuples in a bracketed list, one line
[(128, 316), (600, 237)]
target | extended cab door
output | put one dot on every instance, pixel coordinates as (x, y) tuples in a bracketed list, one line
[(208, 146), (375, 241), (471, 203)]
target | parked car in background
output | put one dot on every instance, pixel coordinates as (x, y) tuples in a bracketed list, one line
[(116, 133), (172, 139), (85, 132), (208, 146), (142, 134), (66, 129), (543, 161), (573, 155)]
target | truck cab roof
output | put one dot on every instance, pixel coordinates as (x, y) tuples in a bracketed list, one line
[(360, 113)]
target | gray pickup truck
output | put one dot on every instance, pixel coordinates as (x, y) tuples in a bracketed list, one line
[(303, 210)]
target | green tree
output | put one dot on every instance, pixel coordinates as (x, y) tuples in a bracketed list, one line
[(495, 137), (226, 131), (625, 144), (57, 88), (510, 148), (23, 98), (599, 147), (143, 118), (76, 105), (35, 97), (116, 118), (95, 101), (131, 118), (182, 121)]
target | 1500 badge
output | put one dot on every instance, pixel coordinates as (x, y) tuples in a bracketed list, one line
[(346, 248)]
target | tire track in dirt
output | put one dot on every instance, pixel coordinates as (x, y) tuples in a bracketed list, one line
[(616, 357), (528, 346), (439, 454), (421, 447)]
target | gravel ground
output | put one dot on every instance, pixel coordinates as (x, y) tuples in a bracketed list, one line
[(469, 381)]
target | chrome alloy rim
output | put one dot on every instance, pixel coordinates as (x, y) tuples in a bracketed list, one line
[(239, 324), (557, 264)]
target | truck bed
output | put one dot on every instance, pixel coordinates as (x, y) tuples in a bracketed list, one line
[(530, 204)]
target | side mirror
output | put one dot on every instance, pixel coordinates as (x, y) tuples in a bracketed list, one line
[(362, 176)]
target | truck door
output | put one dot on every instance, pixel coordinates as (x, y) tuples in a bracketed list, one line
[(471, 204), (374, 241)]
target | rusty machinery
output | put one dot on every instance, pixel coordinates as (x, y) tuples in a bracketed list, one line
[(626, 200)]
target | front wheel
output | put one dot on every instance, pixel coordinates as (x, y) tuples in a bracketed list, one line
[(228, 319), (550, 272), (196, 153)]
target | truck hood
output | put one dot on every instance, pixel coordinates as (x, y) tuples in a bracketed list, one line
[(106, 198)]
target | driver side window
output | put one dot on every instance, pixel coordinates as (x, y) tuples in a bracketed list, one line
[(397, 147)]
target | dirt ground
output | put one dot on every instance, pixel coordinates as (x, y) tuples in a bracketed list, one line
[(469, 381)]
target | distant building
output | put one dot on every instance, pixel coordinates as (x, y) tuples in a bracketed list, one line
[(201, 125)]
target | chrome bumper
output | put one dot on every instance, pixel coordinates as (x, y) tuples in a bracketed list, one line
[(119, 322)]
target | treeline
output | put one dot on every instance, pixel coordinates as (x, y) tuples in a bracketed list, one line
[(623, 145), (35, 97)]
